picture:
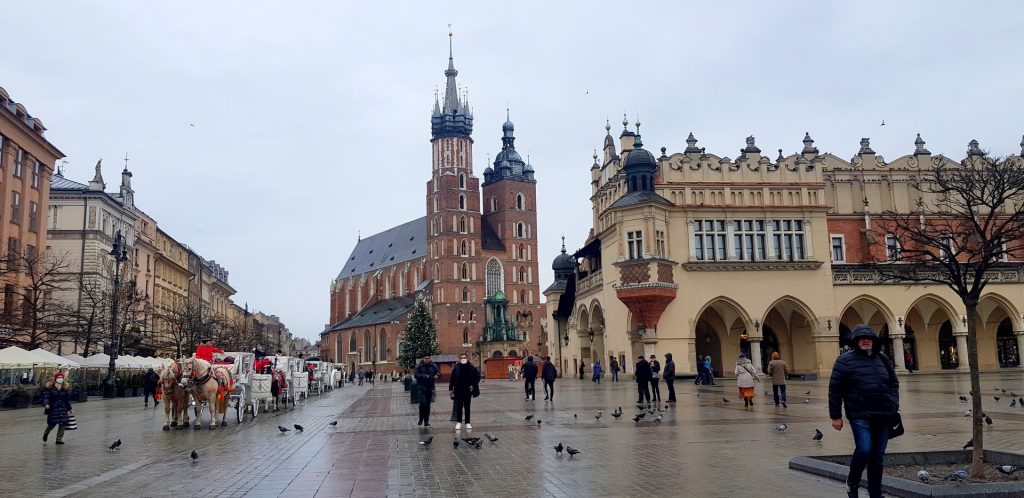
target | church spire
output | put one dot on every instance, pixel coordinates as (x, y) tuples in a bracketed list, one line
[(455, 119)]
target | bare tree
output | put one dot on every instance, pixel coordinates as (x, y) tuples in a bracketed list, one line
[(970, 216), (133, 306), (180, 323), (32, 278)]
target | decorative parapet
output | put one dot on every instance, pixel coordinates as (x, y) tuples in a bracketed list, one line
[(863, 275), (635, 271), (589, 283), (751, 265)]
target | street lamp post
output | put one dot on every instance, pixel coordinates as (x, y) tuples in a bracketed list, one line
[(120, 255)]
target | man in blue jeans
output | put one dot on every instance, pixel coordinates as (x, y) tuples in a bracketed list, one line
[(865, 382)]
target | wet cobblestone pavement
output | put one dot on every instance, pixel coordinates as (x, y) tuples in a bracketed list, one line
[(703, 447)]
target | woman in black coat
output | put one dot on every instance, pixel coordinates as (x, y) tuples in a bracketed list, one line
[(57, 406)]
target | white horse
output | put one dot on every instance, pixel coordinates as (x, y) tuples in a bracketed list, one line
[(210, 384)]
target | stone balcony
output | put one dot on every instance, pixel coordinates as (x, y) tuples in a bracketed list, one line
[(590, 284)]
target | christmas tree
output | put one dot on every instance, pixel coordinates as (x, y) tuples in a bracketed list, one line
[(420, 338)]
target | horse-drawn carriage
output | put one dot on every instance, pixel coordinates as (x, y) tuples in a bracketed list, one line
[(242, 373), (322, 374)]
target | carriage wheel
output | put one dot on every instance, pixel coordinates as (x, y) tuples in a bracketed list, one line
[(238, 411), (255, 409)]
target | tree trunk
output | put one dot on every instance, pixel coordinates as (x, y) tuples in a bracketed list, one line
[(977, 430)]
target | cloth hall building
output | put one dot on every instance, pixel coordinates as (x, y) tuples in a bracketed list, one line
[(472, 257), (697, 254)]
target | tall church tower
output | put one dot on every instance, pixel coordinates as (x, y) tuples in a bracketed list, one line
[(453, 212)]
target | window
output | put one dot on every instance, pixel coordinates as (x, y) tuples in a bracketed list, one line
[(520, 230), (522, 274), (749, 240), (522, 251), (19, 162), (382, 346), (838, 249), (458, 317), (16, 208), (35, 175), (465, 248), (12, 249), (465, 271), (789, 239), (462, 202), (494, 204), (892, 248), (465, 294), (33, 216), (462, 224), (659, 242), (465, 337), (472, 317), (495, 279), (709, 239), (435, 203), (635, 244), (462, 180), (520, 202), (30, 253)]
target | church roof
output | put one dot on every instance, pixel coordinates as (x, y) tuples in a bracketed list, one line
[(382, 312), (395, 245), (640, 197), (489, 239)]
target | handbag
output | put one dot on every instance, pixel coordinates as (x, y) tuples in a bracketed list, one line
[(896, 426), (72, 423)]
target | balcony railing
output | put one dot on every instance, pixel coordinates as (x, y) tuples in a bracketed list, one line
[(590, 282), (645, 273)]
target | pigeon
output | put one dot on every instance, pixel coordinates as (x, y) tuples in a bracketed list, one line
[(618, 410), (963, 398), (298, 427), (575, 416), (658, 418), (617, 415), (491, 438), (598, 416), (808, 392), (195, 456), (455, 443), (957, 476), (558, 449), (807, 401), (333, 424), (471, 440), (988, 420), (666, 407), (726, 400), (818, 435), (1022, 401), (1003, 390), (571, 451), (968, 413), (283, 429), (970, 444), (427, 441), (883, 123), (1013, 403), (529, 417), (1007, 469), (996, 398), (641, 414), (538, 422), (637, 419), (782, 428), (115, 445), (923, 476)]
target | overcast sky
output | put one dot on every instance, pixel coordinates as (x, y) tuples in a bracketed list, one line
[(312, 119)]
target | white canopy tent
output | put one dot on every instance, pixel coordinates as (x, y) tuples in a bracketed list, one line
[(59, 360), (15, 357), (75, 358), (96, 360)]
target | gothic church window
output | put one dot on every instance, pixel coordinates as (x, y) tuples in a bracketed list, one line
[(495, 279), (520, 203), (462, 202), (520, 230), (465, 248), (494, 204), (462, 180), (465, 294), (462, 224), (465, 271)]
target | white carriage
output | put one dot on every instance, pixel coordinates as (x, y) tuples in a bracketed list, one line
[(323, 373), (293, 382), (260, 392), (242, 373)]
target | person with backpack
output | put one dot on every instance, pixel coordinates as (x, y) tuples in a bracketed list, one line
[(746, 375)]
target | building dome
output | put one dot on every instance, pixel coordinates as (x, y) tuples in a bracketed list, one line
[(563, 262), (488, 171), (498, 296), (639, 158), (508, 126)]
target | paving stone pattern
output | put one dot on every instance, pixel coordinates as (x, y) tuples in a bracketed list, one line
[(704, 447)]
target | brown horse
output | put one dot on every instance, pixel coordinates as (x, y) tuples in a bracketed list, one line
[(175, 396), (210, 384)]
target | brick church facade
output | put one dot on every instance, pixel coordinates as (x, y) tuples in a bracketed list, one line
[(472, 257)]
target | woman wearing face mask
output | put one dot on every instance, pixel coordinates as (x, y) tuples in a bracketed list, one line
[(57, 406), (462, 388)]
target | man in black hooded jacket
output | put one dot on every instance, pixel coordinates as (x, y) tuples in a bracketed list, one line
[(864, 380)]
